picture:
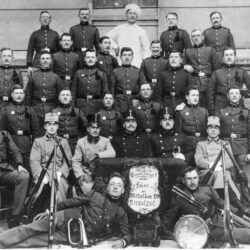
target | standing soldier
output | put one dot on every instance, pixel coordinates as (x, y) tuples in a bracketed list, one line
[(84, 35), (8, 75), (43, 88), (72, 121), (65, 61), (192, 121), (146, 110), (125, 81), (174, 82), (131, 143), (105, 61), (201, 61), (174, 38), (21, 122), (109, 117), (222, 79), (218, 36), (89, 85), (151, 69), (42, 39)]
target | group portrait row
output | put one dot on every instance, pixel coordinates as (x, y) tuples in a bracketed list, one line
[(118, 136)]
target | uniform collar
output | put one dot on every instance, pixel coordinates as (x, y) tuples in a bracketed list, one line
[(104, 53), (172, 28), (229, 66), (199, 45), (127, 133), (216, 28), (65, 105), (176, 68), (18, 103), (235, 105), (66, 50), (84, 23), (156, 57), (170, 132), (126, 66), (45, 27), (6, 67), (92, 139), (217, 140), (50, 137), (45, 70), (90, 67), (191, 106)]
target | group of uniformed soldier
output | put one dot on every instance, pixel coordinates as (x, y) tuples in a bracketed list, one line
[(175, 105)]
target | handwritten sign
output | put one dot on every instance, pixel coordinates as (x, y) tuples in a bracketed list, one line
[(144, 194)]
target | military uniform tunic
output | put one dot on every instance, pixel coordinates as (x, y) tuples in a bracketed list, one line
[(174, 39), (124, 86), (42, 39), (221, 80), (150, 71), (89, 85), (65, 64)]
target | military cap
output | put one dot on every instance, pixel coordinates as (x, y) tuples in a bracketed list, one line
[(165, 113), (51, 118), (213, 120), (129, 115), (93, 120), (133, 7)]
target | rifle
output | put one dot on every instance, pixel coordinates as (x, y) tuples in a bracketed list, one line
[(228, 227)]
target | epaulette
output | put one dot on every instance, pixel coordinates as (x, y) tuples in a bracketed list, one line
[(135, 67)]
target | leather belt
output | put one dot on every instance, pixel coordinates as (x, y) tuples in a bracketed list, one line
[(201, 74), (66, 77), (236, 136), (196, 134)]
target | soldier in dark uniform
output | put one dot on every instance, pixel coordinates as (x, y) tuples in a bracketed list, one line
[(100, 213), (65, 61), (42, 39), (84, 35), (21, 122), (109, 117), (167, 142), (43, 88), (125, 81), (174, 38), (222, 79), (89, 85), (105, 61), (131, 143), (192, 121), (146, 110), (151, 69), (201, 61), (218, 36), (72, 121), (13, 173), (174, 82), (8, 75)]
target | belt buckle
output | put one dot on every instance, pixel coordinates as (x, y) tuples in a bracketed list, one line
[(43, 99), (148, 130), (201, 74), (128, 92), (19, 132), (5, 98), (89, 97), (66, 136), (197, 134), (67, 77), (233, 136), (83, 49), (172, 94), (154, 80)]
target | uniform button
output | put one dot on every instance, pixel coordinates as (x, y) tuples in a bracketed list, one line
[(162, 147)]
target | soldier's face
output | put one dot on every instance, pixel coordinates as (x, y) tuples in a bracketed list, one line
[(234, 96), (213, 131), (18, 95), (6, 57), (45, 19), (216, 20), (45, 61), (84, 15), (146, 91), (171, 20), (66, 42), (197, 37), (156, 49), (115, 187), (229, 57), (167, 123), (193, 97), (105, 45), (93, 130), (131, 16), (127, 57), (191, 180), (108, 100), (90, 58), (130, 125), (51, 128), (175, 60), (65, 97)]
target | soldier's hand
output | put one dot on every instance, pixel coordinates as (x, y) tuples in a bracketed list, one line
[(46, 179), (41, 215), (179, 156), (58, 176), (81, 179), (188, 68), (180, 106), (22, 169), (30, 70), (118, 244), (247, 157)]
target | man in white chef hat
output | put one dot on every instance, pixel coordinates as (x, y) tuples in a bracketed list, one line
[(131, 35)]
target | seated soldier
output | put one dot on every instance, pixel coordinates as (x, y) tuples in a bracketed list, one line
[(40, 153), (206, 196), (99, 214), (90, 148), (131, 143)]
